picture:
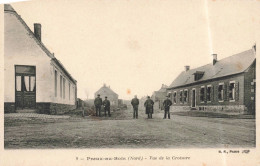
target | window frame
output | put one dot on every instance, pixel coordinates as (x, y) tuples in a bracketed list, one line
[(181, 97), (187, 96), (222, 94), (233, 91), (209, 101), (174, 102), (61, 86), (64, 88), (55, 83), (202, 87), (69, 90)]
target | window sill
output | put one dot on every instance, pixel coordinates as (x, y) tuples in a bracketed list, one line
[(208, 101), (221, 101), (231, 100)]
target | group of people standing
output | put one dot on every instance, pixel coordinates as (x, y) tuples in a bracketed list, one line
[(98, 104), (148, 104)]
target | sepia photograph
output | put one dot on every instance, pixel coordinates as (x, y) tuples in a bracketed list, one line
[(126, 75)]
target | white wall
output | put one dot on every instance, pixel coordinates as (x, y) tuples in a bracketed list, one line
[(21, 49), (57, 99)]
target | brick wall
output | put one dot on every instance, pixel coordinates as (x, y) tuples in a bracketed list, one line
[(215, 104), (250, 87)]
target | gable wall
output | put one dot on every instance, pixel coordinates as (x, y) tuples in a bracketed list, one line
[(250, 88), (20, 48)]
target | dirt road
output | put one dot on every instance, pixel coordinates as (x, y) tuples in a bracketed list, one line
[(121, 131)]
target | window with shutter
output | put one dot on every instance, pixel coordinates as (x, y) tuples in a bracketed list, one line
[(185, 96), (181, 97), (212, 93), (221, 92), (188, 96), (202, 94), (60, 86), (209, 93), (225, 92), (175, 97), (237, 91), (55, 83), (231, 91)]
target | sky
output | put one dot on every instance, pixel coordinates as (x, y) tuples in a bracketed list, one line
[(136, 46)]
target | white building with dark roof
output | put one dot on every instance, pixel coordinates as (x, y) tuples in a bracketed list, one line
[(111, 95), (227, 85), (34, 79)]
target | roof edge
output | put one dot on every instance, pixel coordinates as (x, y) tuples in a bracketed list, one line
[(64, 69), (8, 7), (198, 82)]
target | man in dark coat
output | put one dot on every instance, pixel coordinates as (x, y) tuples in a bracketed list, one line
[(135, 104), (106, 104), (98, 103), (149, 107), (166, 104)]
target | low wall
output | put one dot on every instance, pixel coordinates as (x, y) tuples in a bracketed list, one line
[(43, 108), (226, 109), (9, 107), (53, 108)]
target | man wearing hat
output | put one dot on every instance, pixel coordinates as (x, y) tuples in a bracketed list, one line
[(135, 104), (98, 103), (149, 107), (167, 103), (106, 104)]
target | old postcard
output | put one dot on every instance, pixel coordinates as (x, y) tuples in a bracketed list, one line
[(160, 82)]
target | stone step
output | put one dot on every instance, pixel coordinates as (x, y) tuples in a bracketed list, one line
[(26, 111)]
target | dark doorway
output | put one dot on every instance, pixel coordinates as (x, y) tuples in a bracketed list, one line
[(25, 87)]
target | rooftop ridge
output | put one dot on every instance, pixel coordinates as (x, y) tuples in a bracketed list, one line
[(221, 59), (234, 64)]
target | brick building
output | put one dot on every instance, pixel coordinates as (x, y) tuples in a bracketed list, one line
[(227, 85), (111, 95), (34, 79)]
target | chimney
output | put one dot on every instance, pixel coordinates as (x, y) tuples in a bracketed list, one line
[(37, 31), (187, 68), (214, 59), (254, 47)]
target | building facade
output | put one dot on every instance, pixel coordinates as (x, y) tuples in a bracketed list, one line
[(111, 95), (225, 86), (34, 78), (159, 96)]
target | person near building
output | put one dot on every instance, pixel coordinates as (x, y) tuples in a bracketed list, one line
[(106, 104), (98, 103), (166, 104), (149, 107), (135, 104)]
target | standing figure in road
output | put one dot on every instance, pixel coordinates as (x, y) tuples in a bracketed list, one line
[(98, 103), (149, 107), (135, 104), (106, 104), (166, 104)]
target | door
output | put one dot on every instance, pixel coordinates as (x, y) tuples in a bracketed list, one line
[(193, 98), (25, 87)]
